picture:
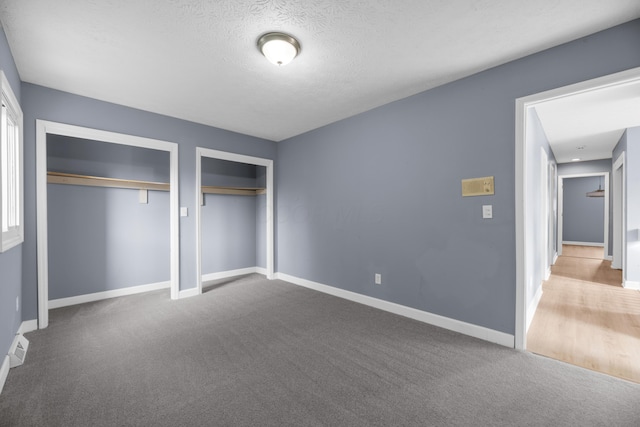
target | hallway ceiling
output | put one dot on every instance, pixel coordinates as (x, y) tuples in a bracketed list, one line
[(198, 61), (589, 125)]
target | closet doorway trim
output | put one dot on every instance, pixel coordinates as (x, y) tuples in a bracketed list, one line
[(239, 158), (43, 128)]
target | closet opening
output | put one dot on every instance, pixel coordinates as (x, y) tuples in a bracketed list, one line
[(234, 216), (107, 216)]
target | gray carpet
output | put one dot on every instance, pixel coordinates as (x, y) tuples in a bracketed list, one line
[(250, 352)]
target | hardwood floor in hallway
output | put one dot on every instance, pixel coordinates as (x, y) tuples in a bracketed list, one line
[(585, 316)]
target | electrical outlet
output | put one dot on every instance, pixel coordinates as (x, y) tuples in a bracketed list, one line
[(378, 279)]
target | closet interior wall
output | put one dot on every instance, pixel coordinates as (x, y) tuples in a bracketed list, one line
[(103, 239), (233, 225)]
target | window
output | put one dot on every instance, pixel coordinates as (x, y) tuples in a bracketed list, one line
[(11, 193)]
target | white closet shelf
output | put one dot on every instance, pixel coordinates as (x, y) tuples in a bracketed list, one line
[(240, 191), (98, 181)]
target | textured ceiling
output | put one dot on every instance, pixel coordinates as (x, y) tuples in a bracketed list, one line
[(589, 125), (197, 60)]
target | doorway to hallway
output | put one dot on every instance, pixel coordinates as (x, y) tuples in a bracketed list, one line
[(585, 317)]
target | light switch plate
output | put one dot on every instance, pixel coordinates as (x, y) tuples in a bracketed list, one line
[(487, 211), (184, 211)]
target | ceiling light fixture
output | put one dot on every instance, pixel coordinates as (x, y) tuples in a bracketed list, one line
[(279, 48), (575, 160)]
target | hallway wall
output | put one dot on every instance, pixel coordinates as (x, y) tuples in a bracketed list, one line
[(593, 166), (583, 217)]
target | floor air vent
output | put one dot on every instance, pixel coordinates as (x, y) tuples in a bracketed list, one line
[(18, 351)]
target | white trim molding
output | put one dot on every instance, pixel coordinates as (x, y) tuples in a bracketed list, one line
[(188, 293), (619, 250), (28, 326), (4, 371), (43, 128), (533, 306), (629, 284), (475, 331), (97, 296), (594, 244), (210, 277)]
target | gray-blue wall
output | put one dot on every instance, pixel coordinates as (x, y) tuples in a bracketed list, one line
[(261, 218), (229, 226), (86, 157), (11, 260), (583, 217), (102, 238), (225, 173), (228, 233), (593, 166), (48, 104), (380, 192)]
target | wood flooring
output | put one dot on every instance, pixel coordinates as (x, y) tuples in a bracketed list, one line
[(585, 316)]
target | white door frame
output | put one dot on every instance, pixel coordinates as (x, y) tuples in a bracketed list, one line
[(561, 179), (240, 158), (522, 104), (553, 211), (544, 213), (43, 128), (619, 208)]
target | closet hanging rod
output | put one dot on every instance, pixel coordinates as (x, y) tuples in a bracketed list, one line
[(239, 191), (98, 181)]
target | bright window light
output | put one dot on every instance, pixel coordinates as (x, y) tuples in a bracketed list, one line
[(11, 175)]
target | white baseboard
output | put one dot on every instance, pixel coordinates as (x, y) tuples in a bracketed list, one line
[(533, 306), (608, 257), (81, 299), (28, 326), (599, 245), (630, 284), (229, 273), (476, 331), (555, 258), (4, 371), (212, 277), (187, 293), (547, 273)]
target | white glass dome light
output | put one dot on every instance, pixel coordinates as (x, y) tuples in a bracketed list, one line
[(279, 48)]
